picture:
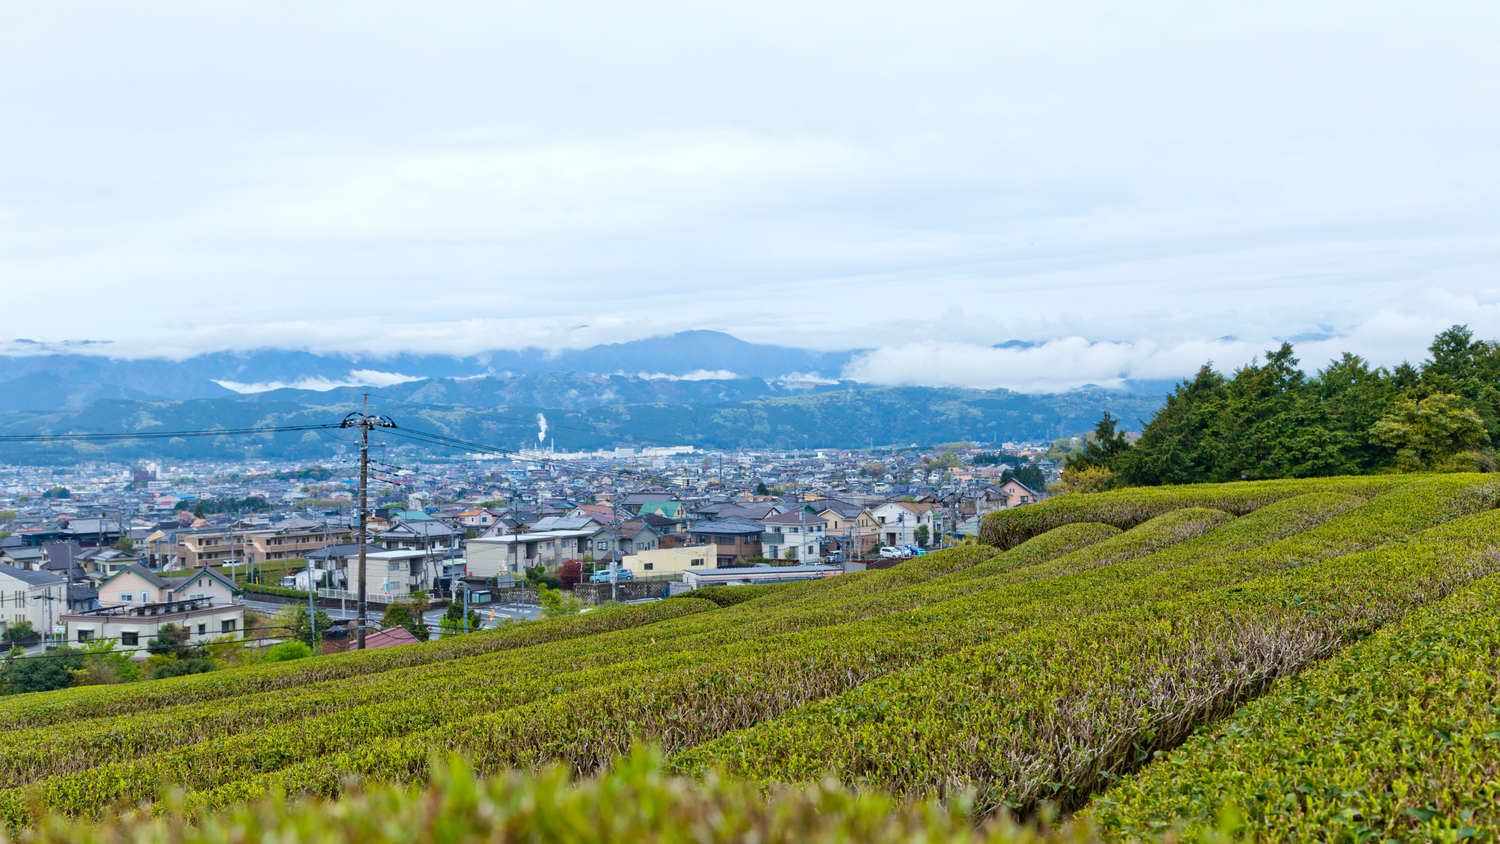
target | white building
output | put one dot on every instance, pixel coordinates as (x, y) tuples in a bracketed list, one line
[(898, 521), (39, 597), (797, 535), (514, 553)]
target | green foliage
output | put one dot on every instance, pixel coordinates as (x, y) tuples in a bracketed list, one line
[(728, 596), (946, 460), (1045, 671), (292, 622), (921, 535), (637, 800), (271, 589), (288, 650), (1129, 507), (1393, 739), (403, 614), (1030, 729), (184, 667), (18, 630), (207, 506), (168, 641), (1031, 475), (1269, 420), (453, 621), (1427, 434), (39, 673), (539, 576), (556, 602), (1102, 447)]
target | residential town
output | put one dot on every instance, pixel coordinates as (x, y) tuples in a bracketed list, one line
[(101, 551)]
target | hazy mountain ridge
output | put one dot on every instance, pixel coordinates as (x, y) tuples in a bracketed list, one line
[(695, 354), (836, 418), (563, 391)]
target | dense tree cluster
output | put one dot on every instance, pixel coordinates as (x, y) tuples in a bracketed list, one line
[(1270, 420)]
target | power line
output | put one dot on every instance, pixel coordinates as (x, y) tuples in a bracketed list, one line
[(161, 435), (476, 411)]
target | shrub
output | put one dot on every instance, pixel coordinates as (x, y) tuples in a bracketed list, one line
[(288, 650), (184, 667), (19, 630), (636, 801), (1393, 739), (1129, 507)]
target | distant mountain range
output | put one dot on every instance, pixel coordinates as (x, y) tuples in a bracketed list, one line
[(846, 416), (701, 388), (71, 381)]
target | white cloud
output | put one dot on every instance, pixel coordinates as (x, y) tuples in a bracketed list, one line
[(1386, 338), (357, 378), (468, 176), (695, 375)]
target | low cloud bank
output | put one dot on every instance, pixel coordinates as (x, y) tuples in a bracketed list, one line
[(357, 378)]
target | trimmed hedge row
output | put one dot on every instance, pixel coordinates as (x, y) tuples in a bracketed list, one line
[(267, 589), (79, 746), (44, 708), (1126, 508), (1397, 738), (728, 596), (740, 686), (636, 801), (1060, 711)]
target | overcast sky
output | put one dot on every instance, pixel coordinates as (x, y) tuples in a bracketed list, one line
[(1127, 182)]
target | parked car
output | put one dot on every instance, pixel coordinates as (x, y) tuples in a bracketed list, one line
[(602, 576), (894, 552)]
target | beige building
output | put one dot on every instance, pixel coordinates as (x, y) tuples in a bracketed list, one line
[(217, 546), (136, 603), (133, 626), (670, 562)]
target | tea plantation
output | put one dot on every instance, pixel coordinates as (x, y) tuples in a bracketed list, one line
[(1279, 660)]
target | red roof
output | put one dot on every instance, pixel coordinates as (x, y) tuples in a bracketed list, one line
[(388, 637)]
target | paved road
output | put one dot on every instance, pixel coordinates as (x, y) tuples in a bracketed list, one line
[(489, 615)]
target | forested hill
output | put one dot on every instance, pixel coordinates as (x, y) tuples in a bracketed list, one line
[(1271, 420), (852, 417)]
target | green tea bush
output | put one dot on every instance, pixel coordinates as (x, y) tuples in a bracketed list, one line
[(728, 596), (1059, 711), (636, 801), (728, 686), (97, 701), (1126, 508), (1397, 738)]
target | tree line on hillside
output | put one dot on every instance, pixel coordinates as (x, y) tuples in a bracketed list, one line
[(1271, 420)]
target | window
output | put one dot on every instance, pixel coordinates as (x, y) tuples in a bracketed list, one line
[(695, 562), (131, 638), (145, 598), (202, 628), (602, 545), (226, 626), (650, 566), (126, 597), (85, 635)]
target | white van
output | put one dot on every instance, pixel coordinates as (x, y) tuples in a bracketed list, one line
[(891, 552)]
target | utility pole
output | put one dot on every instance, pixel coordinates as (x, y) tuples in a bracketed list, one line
[(362, 420)]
